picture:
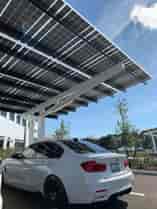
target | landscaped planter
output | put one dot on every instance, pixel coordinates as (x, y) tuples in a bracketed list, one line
[(147, 163)]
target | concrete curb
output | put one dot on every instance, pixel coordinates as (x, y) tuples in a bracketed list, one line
[(144, 172)]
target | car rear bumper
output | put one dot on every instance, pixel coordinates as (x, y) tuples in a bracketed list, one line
[(106, 188), (118, 185), (121, 193)]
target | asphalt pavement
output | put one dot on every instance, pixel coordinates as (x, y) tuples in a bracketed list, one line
[(144, 196)]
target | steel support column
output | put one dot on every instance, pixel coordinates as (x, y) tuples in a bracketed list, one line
[(29, 131), (154, 143), (5, 142), (41, 126)]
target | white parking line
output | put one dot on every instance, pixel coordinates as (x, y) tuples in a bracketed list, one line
[(137, 194)]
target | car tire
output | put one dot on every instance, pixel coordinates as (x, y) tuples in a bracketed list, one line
[(54, 193)]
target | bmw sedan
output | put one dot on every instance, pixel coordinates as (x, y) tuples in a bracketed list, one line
[(69, 171)]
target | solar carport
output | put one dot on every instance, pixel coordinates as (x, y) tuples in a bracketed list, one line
[(52, 61)]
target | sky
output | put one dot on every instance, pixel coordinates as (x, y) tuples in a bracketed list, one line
[(132, 26)]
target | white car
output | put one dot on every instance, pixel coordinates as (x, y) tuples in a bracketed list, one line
[(69, 171)]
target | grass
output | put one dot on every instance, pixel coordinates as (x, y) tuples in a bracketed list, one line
[(5, 153)]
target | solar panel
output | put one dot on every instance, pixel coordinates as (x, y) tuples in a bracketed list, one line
[(33, 34)]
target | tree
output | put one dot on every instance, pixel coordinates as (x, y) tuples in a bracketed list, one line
[(109, 142), (137, 141), (62, 132), (124, 128)]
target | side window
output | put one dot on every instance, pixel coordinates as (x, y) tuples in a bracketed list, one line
[(55, 150), (39, 150), (47, 150), (29, 153)]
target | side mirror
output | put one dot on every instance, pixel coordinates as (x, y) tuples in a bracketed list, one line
[(17, 156)]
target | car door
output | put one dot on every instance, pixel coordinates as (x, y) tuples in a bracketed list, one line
[(34, 167), (17, 169), (11, 169), (37, 169)]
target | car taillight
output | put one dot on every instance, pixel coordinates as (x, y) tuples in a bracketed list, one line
[(126, 163), (93, 166)]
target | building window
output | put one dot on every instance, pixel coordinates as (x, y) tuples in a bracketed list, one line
[(8, 144), (4, 114), (24, 122), (18, 119), (12, 116)]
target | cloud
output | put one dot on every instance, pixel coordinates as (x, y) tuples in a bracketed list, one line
[(147, 16), (112, 21)]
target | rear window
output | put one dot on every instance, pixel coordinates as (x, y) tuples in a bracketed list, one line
[(84, 147), (48, 149)]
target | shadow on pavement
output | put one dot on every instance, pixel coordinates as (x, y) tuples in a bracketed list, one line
[(16, 199)]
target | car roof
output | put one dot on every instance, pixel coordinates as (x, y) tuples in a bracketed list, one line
[(45, 139)]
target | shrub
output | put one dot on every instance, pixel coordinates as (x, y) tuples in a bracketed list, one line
[(6, 153), (147, 163)]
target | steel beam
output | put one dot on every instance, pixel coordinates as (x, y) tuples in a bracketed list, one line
[(62, 112), (15, 103), (20, 98), (69, 109), (10, 108), (27, 80), (41, 126), (54, 90), (70, 95), (52, 116), (6, 109), (83, 101), (6, 83)]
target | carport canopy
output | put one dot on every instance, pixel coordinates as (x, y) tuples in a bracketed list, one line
[(53, 61)]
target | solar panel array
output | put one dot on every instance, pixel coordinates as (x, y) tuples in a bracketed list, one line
[(28, 78)]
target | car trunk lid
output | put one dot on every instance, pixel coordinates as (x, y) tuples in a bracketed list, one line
[(115, 163)]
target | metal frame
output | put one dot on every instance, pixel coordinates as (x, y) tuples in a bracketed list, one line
[(50, 59), (75, 81), (75, 92), (64, 99), (153, 140)]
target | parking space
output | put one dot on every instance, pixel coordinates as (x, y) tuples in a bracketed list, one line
[(144, 196), (146, 185)]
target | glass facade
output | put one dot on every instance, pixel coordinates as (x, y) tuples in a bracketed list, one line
[(3, 113), (18, 119), (12, 116)]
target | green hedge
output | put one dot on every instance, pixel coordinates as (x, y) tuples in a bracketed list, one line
[(147, 163), (6, 153)]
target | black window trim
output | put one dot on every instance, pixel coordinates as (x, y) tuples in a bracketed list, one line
[(37, 143), (89, 146)]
